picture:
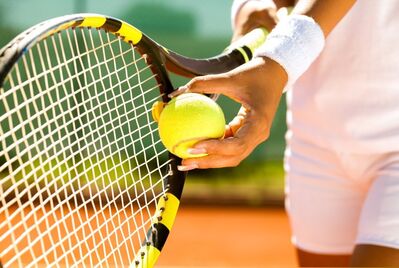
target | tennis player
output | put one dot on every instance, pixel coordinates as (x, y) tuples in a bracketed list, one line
[(338, 60)]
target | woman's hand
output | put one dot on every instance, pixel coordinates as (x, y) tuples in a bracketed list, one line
[(258, 86), (254, 14)]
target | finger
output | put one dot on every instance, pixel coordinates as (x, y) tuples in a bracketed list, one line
[(212, 161), (282, 13), (202, 84), (227, 152), (178, 91), (212, 84), (233, 126), (187, 167), (246, 138), (227, 147), (228, 132)]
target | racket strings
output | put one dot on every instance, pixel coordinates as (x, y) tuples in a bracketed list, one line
[(55, 143), (71, 77), (81, 164)]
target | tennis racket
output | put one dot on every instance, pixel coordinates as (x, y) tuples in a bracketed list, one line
[(84, 178)]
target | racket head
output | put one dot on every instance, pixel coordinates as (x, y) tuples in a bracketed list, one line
[(234, 55), (30, 66), (16, 61)]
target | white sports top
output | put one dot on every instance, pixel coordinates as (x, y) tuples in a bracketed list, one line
[(348, 100)]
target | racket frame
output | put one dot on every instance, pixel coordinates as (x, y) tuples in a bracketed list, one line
[(162, 60)]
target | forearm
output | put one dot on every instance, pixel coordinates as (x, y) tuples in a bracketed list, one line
[(297, 40), (255, 13), (327, 13)]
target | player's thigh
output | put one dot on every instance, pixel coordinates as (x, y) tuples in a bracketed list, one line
[(373, 255), (309, 259), (378, 235), (322, 204)]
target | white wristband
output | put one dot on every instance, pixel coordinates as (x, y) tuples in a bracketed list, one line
[(238, 4), (294, 43)]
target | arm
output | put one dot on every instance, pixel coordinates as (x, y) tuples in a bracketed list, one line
[(327, 13), (258, 86), (254, 13)]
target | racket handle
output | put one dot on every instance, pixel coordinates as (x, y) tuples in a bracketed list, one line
[(252, 40)]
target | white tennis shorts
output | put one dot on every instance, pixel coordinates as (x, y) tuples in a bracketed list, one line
[(337, 200)]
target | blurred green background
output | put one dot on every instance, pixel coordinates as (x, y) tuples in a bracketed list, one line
[(196, 29)]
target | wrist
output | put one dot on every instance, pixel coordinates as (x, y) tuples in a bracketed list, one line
[(268, 88), (273, 74), (294, 44)]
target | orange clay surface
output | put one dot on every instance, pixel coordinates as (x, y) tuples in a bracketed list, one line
[(201, 237), (229, 237)]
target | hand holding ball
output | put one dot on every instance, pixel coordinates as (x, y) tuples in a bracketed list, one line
[(186, 120)]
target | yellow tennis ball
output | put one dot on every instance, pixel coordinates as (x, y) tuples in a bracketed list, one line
[(187, 119)]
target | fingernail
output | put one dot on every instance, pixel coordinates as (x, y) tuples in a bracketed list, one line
[(196, 151), (178, 91), (187, 168)]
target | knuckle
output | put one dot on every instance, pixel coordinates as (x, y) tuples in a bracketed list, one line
[(202, 162), (235, 162), (265, 131), (193, 82), (265, 134), (203, 165), (198, 80), (263, 127), (229, 76), (197, 84), (241, 147), (211, 146), (203, 79)]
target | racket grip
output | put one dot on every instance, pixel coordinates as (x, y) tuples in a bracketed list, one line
[(252, 40)]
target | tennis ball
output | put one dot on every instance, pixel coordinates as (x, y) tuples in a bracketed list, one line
[(187, 119)]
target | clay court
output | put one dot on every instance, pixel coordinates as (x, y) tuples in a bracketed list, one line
[(203, 236), (229, 237)]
